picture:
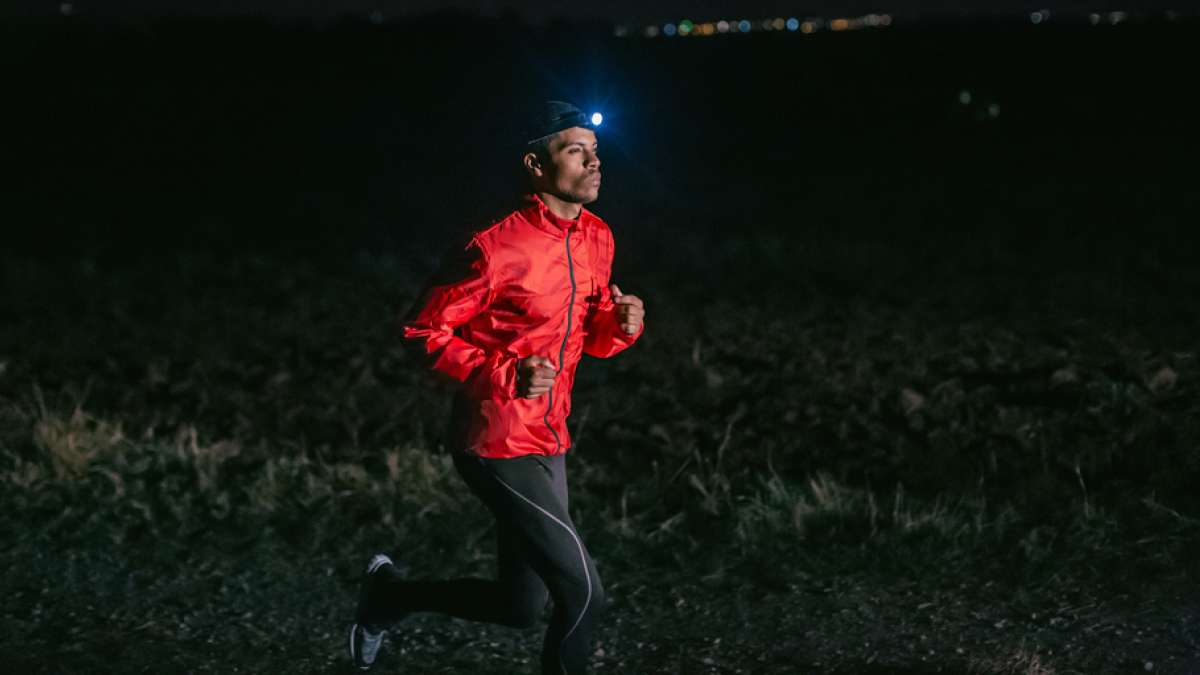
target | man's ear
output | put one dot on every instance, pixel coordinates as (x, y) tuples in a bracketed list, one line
[(532, 164)]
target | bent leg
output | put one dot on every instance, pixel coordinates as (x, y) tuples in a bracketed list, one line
[(516, 598), (532, 497)]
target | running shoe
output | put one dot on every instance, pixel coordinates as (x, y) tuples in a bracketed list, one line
[(366, 637)]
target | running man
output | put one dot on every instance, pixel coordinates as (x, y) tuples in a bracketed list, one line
[(531, 294)]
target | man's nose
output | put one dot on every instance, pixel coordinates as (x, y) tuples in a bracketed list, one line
[(594, 161)]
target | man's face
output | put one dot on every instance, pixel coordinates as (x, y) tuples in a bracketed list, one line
[(571, 172)]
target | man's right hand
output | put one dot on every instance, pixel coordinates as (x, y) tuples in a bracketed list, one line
[(535, 376)]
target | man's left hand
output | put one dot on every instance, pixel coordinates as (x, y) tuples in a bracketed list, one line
[(630, 310)]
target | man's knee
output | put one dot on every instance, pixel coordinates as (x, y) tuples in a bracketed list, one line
[(526, 610), (599, 599), (582, 594)]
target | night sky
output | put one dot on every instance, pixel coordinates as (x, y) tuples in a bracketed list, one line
[(609, 10)]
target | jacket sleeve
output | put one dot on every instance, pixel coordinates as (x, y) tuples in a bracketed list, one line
[(459, 291), (605, 337)]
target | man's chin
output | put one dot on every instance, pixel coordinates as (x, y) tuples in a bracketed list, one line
[(581, 197)]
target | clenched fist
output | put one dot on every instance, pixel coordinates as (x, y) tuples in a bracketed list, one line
[(630, 310), (535, 376)]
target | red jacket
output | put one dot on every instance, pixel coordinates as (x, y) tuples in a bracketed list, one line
[(533, 285)]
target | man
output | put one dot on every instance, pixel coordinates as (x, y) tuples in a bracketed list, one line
[(533, 295)]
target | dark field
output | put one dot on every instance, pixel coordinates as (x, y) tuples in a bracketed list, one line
[(919, 390)]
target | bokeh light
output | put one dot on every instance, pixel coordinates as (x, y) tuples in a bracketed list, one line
[(744, 26), (793, 24), (669, 30), (597, 119), (685, 27)]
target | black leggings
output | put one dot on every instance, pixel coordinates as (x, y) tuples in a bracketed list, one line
[(539, 552)]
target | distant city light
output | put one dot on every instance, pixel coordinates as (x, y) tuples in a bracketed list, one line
[(687, 27), (597, 119)]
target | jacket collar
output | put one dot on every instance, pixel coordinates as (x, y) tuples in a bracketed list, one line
[(543, 218)]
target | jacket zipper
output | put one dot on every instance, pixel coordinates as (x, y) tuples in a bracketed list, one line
[(563, 348)]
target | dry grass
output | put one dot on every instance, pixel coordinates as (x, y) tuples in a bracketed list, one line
[(844, 439)]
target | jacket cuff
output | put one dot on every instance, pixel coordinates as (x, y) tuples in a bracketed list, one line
[(608, 338), (496, 378)]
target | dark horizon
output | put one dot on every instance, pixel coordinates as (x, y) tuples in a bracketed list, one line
[(620, 11)]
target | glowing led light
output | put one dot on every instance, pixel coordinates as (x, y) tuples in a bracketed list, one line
[(744, 26), (766, 24), (793, 24), (808, 27), (669, 30), (839, 24), (778, 24), (707, 29), (1036, 17), (651, 31), (964, 97), (885, 20), (1093, 18), (722, 26), (597, 119), (1116, 17), (993, 110), (685, 27), (66, 9), (620, 31)]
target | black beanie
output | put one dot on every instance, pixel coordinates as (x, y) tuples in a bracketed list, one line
[(551, 117)]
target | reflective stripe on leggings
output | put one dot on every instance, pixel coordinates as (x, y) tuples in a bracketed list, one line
[(582, 559)]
